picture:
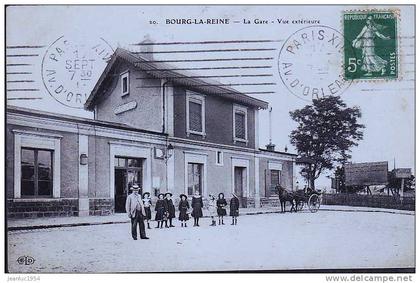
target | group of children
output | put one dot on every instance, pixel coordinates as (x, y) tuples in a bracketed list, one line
[(165, 209)]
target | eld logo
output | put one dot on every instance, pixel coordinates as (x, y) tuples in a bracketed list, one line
[(26, 260)]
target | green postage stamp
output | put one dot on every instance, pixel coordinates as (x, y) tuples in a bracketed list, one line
[(371, 46)]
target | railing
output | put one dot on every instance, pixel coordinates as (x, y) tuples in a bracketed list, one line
[(380, 201)]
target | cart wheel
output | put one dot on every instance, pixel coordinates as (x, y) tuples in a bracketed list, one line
[(314, 202), (300, 205)]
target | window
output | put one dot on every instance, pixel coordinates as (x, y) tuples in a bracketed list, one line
[(195, 114), (219, 158), (240, 125), (195, 117), (125, 83), (240, 132), (275, 180), (36, 172), (195, 178)]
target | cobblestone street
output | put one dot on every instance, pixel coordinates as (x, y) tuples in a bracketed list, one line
[(322, 240)]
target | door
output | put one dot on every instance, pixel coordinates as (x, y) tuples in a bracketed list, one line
[(239, 184), (195, 173), (133, 177), (120, 189), (127, 172)]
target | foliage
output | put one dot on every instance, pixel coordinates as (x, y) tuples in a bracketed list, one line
[(326, 131)]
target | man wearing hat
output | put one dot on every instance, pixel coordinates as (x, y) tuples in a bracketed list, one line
[(136, 212)]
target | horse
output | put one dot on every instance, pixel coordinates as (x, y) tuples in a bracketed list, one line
[(286, 196)]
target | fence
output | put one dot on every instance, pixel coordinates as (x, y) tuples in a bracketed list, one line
[(391, 202)]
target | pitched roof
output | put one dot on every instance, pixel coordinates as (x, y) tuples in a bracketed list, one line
[(165, 71)]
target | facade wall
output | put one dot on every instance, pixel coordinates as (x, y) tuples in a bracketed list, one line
[(69, 160), (67, 202), (219, 178), (144, 90), (94, 176), (69, 165), (219, 120), (99, 163), (286, 175), (94, 195), (159, 179), (10, 159)]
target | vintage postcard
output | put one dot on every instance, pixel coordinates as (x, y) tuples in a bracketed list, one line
[(210, 138)]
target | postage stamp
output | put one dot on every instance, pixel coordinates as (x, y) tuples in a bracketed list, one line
[(371, 49)]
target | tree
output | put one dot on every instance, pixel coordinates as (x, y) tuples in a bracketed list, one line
[(326, 131)]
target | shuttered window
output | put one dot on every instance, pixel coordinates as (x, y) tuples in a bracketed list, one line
[(240, 125), (196, 119)]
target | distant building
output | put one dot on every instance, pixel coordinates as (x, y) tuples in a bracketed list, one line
[(159, 128)]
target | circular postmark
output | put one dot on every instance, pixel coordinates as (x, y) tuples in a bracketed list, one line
[(70, 69), (310, 63)]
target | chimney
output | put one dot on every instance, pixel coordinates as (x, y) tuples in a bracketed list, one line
[(146, 48), (270, 147)]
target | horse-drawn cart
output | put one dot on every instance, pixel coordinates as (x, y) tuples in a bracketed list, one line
[(298, 199), (312, 201)]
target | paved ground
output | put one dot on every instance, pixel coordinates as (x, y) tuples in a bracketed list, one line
[(326, 239), (46, 222)]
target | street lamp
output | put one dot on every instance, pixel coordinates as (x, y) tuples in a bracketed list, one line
[(169, 152)]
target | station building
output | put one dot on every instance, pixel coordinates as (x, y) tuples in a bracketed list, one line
[(154, 126)]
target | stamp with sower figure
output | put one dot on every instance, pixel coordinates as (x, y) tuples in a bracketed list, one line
[(371, 49)]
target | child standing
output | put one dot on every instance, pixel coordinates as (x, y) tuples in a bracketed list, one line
[(197, 205), (234, 209), (171, 209), (221, 211), (147, 202), (212, 209), (183, 210), (161, 210)]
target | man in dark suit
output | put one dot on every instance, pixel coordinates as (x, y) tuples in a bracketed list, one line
[(135, 210)]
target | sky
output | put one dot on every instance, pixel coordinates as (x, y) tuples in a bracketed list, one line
[(387, 106)]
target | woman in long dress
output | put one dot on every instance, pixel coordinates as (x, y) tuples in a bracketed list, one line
[(366, 41)]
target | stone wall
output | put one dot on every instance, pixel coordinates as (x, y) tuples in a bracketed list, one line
[(101, 206), (270, 202), (26, 208)]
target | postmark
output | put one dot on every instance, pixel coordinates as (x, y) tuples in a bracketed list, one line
[(70, 68), (310, 62), (371, 51)]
